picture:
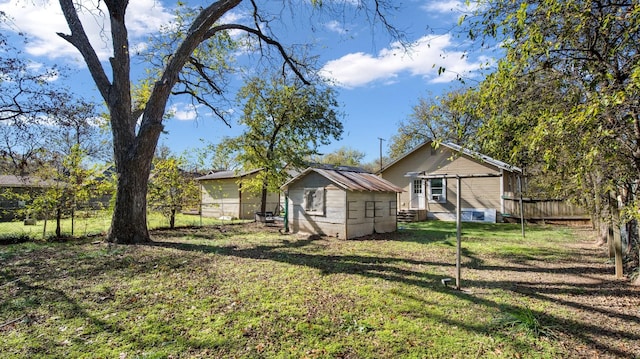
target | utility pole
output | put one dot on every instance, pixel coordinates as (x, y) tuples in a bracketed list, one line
[(381, 139)]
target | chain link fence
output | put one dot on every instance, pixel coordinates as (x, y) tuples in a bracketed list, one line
[(90, 222)]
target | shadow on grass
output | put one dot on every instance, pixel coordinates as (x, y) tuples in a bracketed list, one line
[(390, 269), (33, 302)]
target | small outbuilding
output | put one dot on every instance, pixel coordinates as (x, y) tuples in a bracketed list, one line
[(344, 202), (223, 196), (17, 191)]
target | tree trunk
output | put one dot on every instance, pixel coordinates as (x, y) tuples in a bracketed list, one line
[(73, 219), (133, 151), (129, 221), (263, 200), (172, 218), (58, 220)]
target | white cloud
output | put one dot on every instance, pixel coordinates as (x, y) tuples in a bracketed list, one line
[(448, 6), (183, 112), (41, 23), (335, 26), (423, 58)]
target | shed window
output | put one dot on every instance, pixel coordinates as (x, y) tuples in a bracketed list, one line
[(314, 201), (438, 190), (352, 210), (369, 209), (393, 208)]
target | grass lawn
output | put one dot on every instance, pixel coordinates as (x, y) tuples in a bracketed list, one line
[(95, 223), (250, 292)]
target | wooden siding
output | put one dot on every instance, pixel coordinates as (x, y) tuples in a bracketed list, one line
[(330, 223), (221, 197), (370, 213), (347, 214)]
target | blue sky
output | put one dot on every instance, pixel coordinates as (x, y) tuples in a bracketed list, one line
[(379, 82)]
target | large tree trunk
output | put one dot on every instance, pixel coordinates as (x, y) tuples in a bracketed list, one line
[(129, 221)]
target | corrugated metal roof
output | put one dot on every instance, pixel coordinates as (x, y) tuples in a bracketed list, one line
[(353, 181), (20, 181), (226, 174)]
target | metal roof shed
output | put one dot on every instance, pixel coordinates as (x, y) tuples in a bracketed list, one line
[(344, 202)]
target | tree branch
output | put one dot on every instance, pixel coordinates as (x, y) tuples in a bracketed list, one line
[(293, 65), (80, 41)]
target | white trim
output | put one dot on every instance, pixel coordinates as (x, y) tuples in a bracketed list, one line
[(442, 198)]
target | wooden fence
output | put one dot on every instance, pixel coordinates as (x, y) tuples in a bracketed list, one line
[(544, 209)]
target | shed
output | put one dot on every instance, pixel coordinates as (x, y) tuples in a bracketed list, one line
[(345, 202), (223, 196)]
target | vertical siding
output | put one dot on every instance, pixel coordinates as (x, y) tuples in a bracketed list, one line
[(221, 197), (332, 222), (346, 214)]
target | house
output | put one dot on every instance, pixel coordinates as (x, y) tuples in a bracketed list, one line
[(222, 196), (345, 202), (15, 191), (428, 176)]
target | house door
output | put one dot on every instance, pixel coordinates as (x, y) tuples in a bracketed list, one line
[(418, 195)]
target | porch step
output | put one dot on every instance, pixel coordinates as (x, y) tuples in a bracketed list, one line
[(406, 216)]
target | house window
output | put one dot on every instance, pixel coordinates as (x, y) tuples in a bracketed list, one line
[(314, 201), (438, 190)]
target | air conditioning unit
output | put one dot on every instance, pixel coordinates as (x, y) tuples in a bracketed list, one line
[(435, 197)]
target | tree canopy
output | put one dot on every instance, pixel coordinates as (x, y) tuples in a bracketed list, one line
[(448, 118), (563, 103), (286, 121)]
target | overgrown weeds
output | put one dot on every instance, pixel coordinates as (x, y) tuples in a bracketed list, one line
[(526, 321)]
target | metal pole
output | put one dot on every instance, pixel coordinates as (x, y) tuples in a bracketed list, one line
[(286, 212), (458, 230)]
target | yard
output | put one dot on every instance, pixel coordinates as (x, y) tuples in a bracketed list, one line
[(249, 291)]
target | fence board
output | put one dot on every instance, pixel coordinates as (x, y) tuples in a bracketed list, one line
[(544, 209)]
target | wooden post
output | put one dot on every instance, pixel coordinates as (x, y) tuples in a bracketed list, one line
[(617, 240), (458, 230), (612, 251), (521, 206)]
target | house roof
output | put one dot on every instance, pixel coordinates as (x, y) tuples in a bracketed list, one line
[(226, 175), (459, 149), (22, 181), (350, 178)]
